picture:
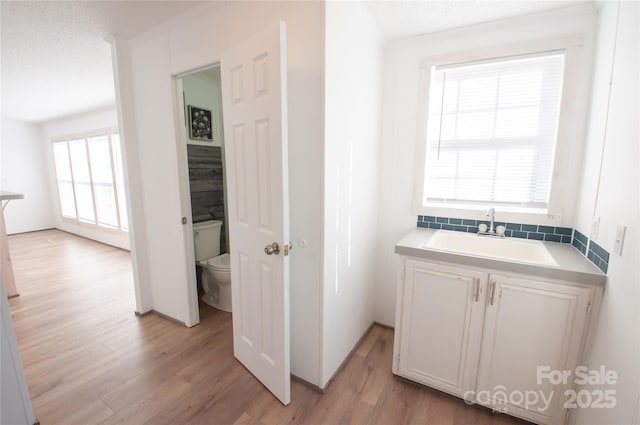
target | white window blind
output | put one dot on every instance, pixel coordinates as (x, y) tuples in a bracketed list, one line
[(90, 180), (65, 179), (491, 131)]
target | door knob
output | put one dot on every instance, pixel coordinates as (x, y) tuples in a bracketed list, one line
[(274, 248)]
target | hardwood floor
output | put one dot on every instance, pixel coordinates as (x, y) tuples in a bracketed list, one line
[(89, 360)]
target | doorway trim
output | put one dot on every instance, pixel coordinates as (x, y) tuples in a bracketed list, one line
[(185, 189)]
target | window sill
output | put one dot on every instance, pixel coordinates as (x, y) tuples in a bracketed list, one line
[(94, 226), (113, 237)]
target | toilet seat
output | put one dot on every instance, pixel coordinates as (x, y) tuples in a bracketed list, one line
[(220, 263)]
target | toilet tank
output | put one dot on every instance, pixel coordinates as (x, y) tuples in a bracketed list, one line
[(206, 238)]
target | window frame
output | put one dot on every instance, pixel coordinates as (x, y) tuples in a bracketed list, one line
[(109, 132), (571, 45)]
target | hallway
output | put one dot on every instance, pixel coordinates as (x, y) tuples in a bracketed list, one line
[(89, 360)]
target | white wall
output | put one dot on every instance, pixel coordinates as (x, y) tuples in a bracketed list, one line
[(23, 168), (78, 124), (189, 42), (400, 106), (353, 90), (617, 338), (203, 90), (594, 138)]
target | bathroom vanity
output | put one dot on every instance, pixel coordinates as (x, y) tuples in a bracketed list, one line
[(488, 319)]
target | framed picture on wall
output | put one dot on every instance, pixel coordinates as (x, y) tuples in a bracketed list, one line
[(200, 124)]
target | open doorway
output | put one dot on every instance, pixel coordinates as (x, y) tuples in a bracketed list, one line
[(253, 88), (203, 160)]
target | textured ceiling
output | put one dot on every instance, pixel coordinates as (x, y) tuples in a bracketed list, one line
[(54, 57), (55, 61), (400, 19)]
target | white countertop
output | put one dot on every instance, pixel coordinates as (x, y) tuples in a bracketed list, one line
[(7, 196), (572, 266)]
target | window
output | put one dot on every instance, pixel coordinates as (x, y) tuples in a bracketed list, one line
[(90, 180), (491, 132)]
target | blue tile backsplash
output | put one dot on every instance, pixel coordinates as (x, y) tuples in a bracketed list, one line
[(514, 230), (598, 256), (595, 253), (580, 242)]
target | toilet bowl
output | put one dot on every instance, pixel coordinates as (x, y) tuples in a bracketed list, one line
[(216, 271), (216, 282)]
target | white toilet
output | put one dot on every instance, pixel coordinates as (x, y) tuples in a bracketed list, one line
[(216, 272)]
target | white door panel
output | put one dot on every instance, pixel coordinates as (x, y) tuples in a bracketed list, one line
[(255, 124)]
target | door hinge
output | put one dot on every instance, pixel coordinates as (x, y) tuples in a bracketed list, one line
[(588, 307), (184, 220)]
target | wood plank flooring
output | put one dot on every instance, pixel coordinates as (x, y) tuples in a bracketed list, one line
[(89, 360)]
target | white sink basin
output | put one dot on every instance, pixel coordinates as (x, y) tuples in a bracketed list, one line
[(519, 250)]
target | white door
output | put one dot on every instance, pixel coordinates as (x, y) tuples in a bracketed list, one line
[(254, 100), (441, 326), (530, 324)]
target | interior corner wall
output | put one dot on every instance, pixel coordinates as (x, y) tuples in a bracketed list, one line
[(101, 119), (353, 98), (617, 337), (23, 165), (193, 41), (596, 124), (400, 112), (123, 84)]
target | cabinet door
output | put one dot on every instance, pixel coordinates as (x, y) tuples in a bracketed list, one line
[(530, 324), (440, 326)]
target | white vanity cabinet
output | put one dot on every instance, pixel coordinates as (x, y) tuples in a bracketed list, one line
[(530, 324), (482, 335), (441, 322)]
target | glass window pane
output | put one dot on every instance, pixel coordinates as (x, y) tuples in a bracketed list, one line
[(117, 163), (491, 131), (521, 89), (103, 186), (517, 123), (477, 93), (82, 180), (65, 183), (475, 125)]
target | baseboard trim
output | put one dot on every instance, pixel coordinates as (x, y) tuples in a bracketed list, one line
[(90, 239), (307, 384), (161, 315), (385, 326), (31, 231)]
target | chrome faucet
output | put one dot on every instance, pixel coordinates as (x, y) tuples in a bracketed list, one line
[(492, 217)]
